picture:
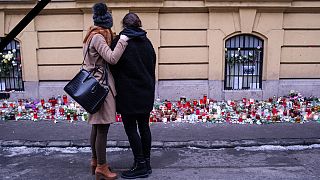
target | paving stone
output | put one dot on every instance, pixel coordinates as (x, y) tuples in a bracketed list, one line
[(123, 144), (262, 142), (35, 143), (289, 142), (221, 144), (81, 143), (200, 144), (245, 143), (311, 141), (175, 144), (13, 143), (112, 143), (59, 144), (157, 144)]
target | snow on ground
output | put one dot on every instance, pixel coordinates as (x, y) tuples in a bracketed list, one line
[(278, 148), (23, 150)]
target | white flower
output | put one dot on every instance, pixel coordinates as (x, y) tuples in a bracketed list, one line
[(6, 56), (236, 55), (240, 57), (232, 55), (238, 49), (0, 53), (14, 50), (14, 63), (250, 54), (9, 52), (225, 49), (258, 47)]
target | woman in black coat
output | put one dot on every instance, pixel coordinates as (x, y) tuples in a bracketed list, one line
[(135, 85)]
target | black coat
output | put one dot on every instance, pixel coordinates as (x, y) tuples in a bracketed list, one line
[(134, 76)]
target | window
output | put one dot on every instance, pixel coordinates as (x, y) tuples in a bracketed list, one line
[(10, 68), (243, 63)]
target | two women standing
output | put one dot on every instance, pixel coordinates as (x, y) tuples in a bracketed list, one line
[(132, 88)]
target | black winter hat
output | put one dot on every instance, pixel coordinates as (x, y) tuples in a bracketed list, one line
[(101, 16)]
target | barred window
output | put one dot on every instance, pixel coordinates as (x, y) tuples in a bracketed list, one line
[(243, 62), (11, 68)]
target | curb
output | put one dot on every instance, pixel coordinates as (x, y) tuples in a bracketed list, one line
[(216, 144)]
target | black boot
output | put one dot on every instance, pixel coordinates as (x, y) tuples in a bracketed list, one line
[(148, 165), (139, 170)]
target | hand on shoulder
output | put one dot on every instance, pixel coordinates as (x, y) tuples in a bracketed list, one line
[(124, 37)]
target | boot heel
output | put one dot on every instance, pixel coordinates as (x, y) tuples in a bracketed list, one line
[(102, 177)]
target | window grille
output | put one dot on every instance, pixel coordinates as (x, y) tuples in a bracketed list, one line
[(243, 63), (11, 71)]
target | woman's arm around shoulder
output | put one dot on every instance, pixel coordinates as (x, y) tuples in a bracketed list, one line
[(112, 57)]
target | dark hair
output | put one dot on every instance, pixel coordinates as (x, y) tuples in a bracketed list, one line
[(131, 20)]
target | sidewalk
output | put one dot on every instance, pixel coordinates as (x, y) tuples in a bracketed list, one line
[(170, 135)]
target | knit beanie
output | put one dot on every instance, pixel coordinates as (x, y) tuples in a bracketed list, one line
[(101, 16)]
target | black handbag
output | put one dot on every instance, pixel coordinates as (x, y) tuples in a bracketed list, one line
[(86, 90)]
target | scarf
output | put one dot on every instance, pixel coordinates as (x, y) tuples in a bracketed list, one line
[(133, 32), (93, 30)]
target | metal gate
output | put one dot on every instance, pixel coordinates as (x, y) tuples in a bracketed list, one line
[(243, 62), (11, 68)]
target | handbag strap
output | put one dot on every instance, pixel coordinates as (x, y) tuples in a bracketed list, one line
[(105, 72)]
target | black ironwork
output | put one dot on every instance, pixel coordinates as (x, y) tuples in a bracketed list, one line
[(243, 62), (11, 71), (23, 23)]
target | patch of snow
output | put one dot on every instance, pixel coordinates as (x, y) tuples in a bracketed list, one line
[(18, 151), (278, 148)]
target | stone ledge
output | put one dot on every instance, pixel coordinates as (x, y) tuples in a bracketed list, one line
[(123, 144), (36, 143), (13, 143), (175, 144), (80, 143), (111, 143), (167, 144), (59, 144)]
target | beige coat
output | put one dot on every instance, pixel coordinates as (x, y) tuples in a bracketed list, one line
[(99, 52)]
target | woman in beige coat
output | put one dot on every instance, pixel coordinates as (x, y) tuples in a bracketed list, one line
[(97, 53)]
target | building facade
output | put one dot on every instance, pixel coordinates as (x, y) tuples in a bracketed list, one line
[(225, 49)]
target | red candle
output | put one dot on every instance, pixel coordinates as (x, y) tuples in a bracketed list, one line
[(274, 111), (201, 101), (205, 98), (197, 112), (75, 117), (244, 100), (35, 115), (61, 110), (65, 99), (68, 116), (195, 102), (42, 102), (169, 105)]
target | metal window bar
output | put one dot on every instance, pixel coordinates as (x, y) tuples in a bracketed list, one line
[(12, 79), (243, 63)]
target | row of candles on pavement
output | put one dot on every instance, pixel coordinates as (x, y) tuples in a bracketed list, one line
[(203, 110), (250, 111), (55, 109)]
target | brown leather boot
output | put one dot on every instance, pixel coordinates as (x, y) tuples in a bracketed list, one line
[(93, 166), (103, 172)]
